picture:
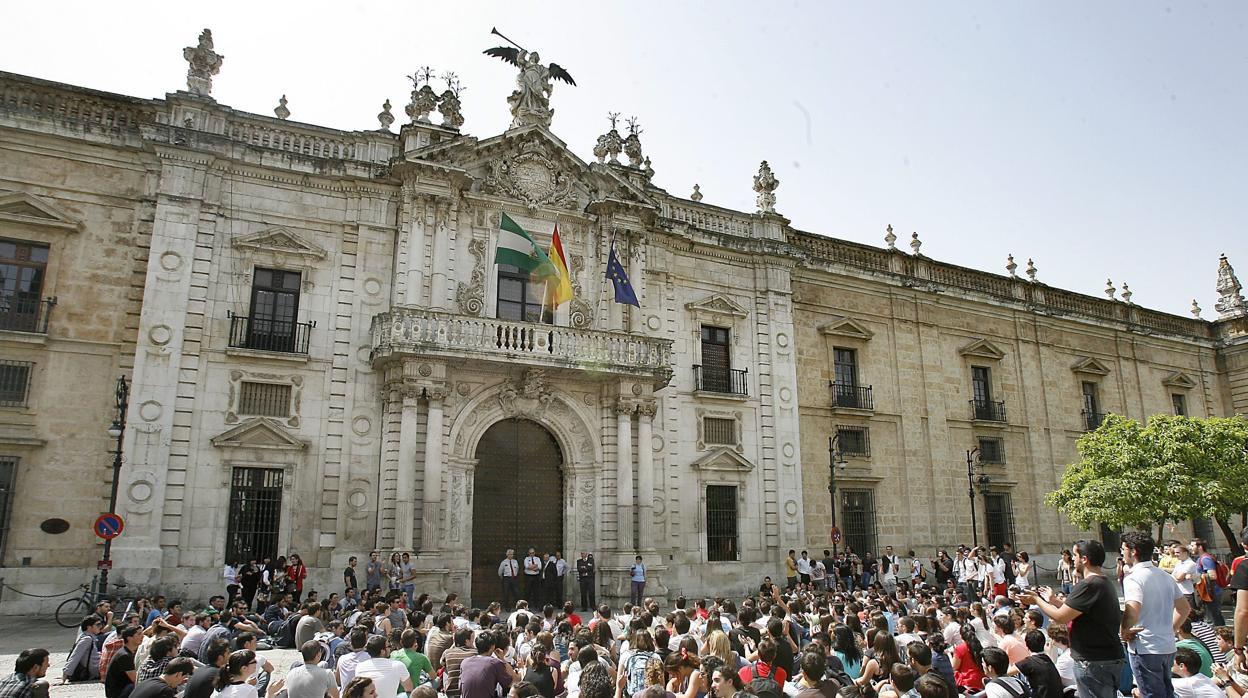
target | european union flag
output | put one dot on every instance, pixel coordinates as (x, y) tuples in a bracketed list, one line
[(619, 278)]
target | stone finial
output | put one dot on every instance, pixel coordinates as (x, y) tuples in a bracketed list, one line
[(610, 144), (423, 100), (1109, 289), (1031, 270), (632, 144), (1195, 309), (385, 118), (204, 63), (647, 169), (448, 102), (889, 238), (1126, 294), (281, 111), (697, 194), (1230, 298), (915, 242), (765, 183), (1010, 266)]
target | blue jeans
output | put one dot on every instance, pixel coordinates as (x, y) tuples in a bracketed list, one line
[(1098, 679), (1152, 674), (638, 591)]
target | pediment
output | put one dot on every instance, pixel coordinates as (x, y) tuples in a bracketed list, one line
[(718, 304), (1090, 366), (259, 432), (724, 460), (846, 327), (983, 349), (20, 207), (280, 241), (1179, 379)]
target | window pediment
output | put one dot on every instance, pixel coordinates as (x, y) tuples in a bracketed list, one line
[(259, 432), (723, 460), (718, 304), (846, 327), (1090, 366), (1179, 379), (983, 349), (279, 241), (20, 207)]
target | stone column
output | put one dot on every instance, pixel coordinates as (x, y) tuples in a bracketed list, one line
[(431, 526), (405, 480), (624, 474), (645, 476), (438, 280), (415, 250)]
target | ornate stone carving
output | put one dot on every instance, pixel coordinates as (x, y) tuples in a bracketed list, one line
[(470, 297), (385, 118), (1031, 270), (423, 100), (1110, 291), (580, 312), (530, 102), (204, 63), (625, 406), (632, 144), (534, 179), (1195, 309), (889, 238), (1126, 294), (647, 408), (610, 143), (531, 395), (1011, 267), (1230, 299), (448, 103), (696, 196), (765, 184), (281, 111), (915, 243)]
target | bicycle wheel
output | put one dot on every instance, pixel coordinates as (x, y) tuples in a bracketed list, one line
[(71, 612)]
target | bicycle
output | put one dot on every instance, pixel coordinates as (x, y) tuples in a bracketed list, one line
[(71, 611)]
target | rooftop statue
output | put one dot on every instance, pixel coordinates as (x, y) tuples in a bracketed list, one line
[(530, 102)]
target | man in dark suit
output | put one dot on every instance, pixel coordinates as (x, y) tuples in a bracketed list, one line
[(551, 592), (585, 577)]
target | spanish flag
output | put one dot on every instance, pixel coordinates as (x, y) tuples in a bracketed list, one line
[(559, 289)]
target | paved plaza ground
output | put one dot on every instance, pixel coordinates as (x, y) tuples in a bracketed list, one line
[(21, 632)]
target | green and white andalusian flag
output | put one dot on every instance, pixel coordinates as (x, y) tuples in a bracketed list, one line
[(517, 248)]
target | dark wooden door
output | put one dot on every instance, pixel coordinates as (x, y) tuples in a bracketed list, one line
[(517, 500)]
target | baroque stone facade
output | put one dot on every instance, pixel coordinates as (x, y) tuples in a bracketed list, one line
[(319, 340)]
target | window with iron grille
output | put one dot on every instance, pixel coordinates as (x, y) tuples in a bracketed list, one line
[(1180, 404), (845, 366), (719, 431), (853, 441), (991, 450), (1203, 529), (1000, 518), (255, 514), (264, 399), (14, 382), (858, 520), (721, 523), (8, 478)]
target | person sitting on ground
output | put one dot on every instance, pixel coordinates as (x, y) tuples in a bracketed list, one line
[(419, 670), (812, 681), (1039, 670), (310, 680), (386, 673), (234, 680), (1003, 629), (998, 684), (27, 679), (158, 656), (122, 672), (174, 673), (901, 679), (1187, 639), (345, 667), (1188, 681), (83, 663), (361, 687), (201, 683)]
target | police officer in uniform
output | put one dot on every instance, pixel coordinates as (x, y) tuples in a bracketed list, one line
[(533, 579), (509, 570), (585, 577)]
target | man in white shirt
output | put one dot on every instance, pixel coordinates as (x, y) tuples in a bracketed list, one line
[(803, 568), (533, 578), (1185, 572), (1190, 683), (387, 674), (1154, 606), (888, 570)]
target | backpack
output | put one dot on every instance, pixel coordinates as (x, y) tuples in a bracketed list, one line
[(1222, 575), (1023, 692), (763, 686), (216, 631), (635, 670)]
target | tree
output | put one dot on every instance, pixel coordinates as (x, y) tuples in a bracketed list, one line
[(1172, 469)]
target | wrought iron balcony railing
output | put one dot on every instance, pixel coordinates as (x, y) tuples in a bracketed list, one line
[(730, 381), (988, 410), (25, 314), (263, 334), (1092, 420), (857, 397)]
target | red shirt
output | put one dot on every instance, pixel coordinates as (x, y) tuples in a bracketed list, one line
[(968, 674), (574, 620), (761, 669), (296, 574)]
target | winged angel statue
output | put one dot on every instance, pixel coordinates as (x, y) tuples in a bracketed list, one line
[(530, 102)]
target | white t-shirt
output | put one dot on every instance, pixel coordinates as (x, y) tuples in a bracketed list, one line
[(238, 690), (998, 571), (1198, 686), (819, 571), (995, 690), (803, 565), (387, 674), (952, 634), (1189, 568)]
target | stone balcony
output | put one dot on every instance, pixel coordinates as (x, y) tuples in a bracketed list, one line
[(418, 332)]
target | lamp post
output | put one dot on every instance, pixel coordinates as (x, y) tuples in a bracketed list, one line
[(835, 460), (117, 430), (972, 462)]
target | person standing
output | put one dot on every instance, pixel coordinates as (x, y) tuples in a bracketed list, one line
[(561, 567), (407, 577), (1239, 583), (533, 578), (585, 577), (1208, 568), (1154, 606), (790, 570), (249, 580), (550, 581), (230, 573), (348, 576), (803, 569), (1184, 571), (637, 577), (888, 570), (509, 572), (373, 571), (1092, 611), (296, 572)]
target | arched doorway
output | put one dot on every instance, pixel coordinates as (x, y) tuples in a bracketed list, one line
[(517, 500)]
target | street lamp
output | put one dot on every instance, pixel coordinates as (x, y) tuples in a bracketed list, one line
[(117, 430), (972, 462), (835, 460)]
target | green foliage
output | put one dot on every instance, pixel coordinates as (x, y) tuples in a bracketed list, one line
[(1172, 469)]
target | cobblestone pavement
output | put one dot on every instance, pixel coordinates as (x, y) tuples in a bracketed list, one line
[(21, 632)]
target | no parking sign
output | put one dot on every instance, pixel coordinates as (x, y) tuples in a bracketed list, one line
[(109, 526)]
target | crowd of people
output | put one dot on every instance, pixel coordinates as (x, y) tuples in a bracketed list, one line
[(975, 622)]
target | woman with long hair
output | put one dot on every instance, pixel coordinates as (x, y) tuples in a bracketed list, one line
[(1066, 572), (679, 666), (394, 572), (982, 626), (232, 680), (845, 647), (879, 666), (540, 673), (296, 572), (968, 659), (360, 687), (1022, 570), (718, 645)]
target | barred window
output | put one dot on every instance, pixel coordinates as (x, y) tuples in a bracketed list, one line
[(1000, 518), (721, 523), (264, 399), (854, 441), (991, 450), (1180, 404), (255, 514), (8, 477), (14, 382), (720, 431), (858, 519)]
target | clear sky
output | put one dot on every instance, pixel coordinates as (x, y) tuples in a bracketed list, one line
[(1105, 140)]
